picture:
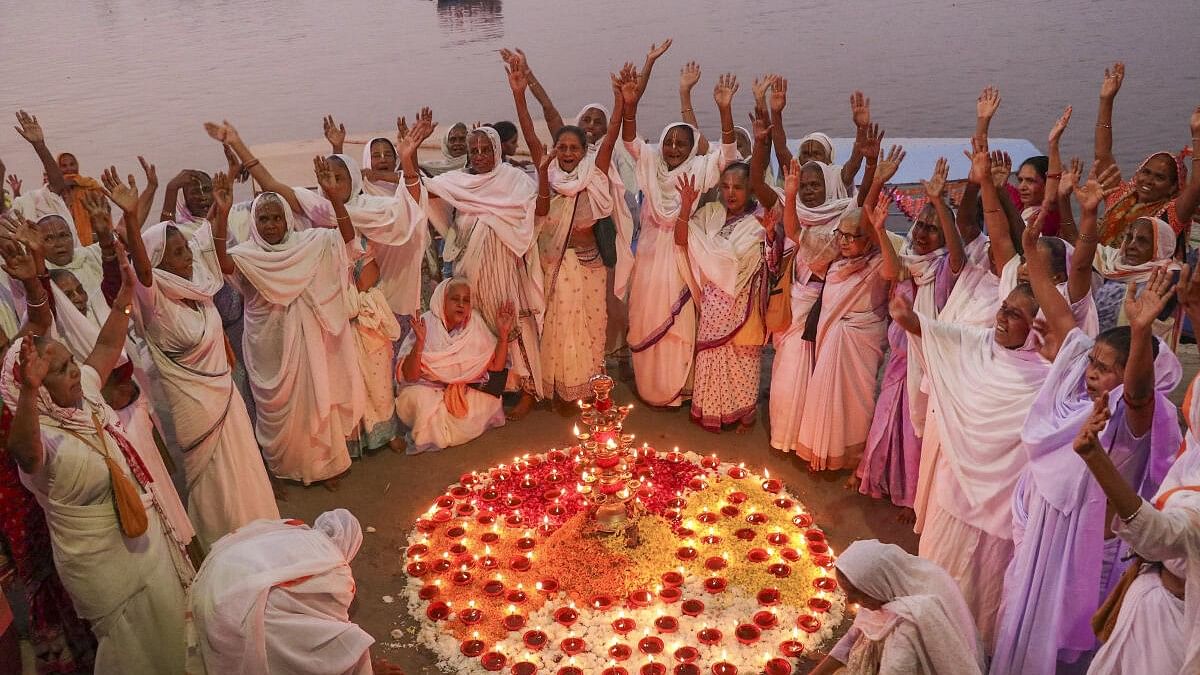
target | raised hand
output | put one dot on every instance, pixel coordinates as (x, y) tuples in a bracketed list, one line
[(97, 207), (901, 308), (1143, 308), (506, 318), (1089, 195), (878, 215), (1109, 178), (869, 146), (1113, 77), (518, 80), (759, 88), (29, 128), (417, 323), (726, 87), (401, 128), (1030, 236), (760, 125), (1001, 168), (334, 133), (234, 165), (33, 366), (14, 184), (657, 50), (222, 192), (688, 192), (1060, 125), (1194, 125), (689, 75), (1070, 177), (19, 263), (988, 103), (1087, 442), (860, 109), (628, 79), (223, 132), (123, 195), (791, 177), (14, 226), (778, 99), (326, 177), (981, 161), (889, 165), (935, 187), (151, 172)]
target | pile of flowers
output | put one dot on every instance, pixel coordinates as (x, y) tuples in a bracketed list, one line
[(730, 575)]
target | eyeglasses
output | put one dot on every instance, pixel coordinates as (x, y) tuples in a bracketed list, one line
[(847, 236)]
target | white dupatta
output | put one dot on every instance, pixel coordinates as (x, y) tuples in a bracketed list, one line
[(460, 356)]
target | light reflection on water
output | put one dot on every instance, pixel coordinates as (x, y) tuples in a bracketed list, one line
[(113, 78)]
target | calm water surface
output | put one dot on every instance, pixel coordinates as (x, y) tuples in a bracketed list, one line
[(113, 78)]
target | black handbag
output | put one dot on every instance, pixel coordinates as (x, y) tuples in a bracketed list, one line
[(605, 232)]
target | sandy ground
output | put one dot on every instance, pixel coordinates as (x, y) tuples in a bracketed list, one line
[(387, 491)]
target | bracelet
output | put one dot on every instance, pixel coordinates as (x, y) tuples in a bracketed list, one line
[(415, 182), (543, 196), (685, 110), (1088, 238), (251, 164), (629, 119), (992, 210), (1132, 515), (1106, 126), (345, 217), (219, 238), (44, 275), (35, 304), (167, 215), (128, 310), (1054, 176)]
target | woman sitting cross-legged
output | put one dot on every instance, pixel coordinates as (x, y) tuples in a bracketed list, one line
[(452, 370)]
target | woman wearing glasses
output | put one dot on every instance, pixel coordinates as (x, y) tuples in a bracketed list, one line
[(850, 335)]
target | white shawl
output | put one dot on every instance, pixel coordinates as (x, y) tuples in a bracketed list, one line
[(983, 393), (1110, 260), (446, 164), (389, 221), (916, 591), (282, 572), (728, 262), (658, 289), (457, 357), (379, 188)]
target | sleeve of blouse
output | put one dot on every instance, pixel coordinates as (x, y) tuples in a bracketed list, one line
[(1173, 532), (841, 651)]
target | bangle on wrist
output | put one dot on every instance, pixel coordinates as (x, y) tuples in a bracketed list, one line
[(415, 182), (1101, 124), (35, 304), (686, 110), (250, 164), (544, 196), (1127, 519), (1054, 176)]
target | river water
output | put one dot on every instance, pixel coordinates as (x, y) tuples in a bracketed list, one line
[(110, 79)]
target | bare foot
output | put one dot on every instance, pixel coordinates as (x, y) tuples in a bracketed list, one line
[(332, 484), (744, 427), (398, 445), (907, 516), (522, 408), (851, 483)]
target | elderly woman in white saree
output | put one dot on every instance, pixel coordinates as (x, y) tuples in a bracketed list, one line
[(274, 597), (299, 346), (574, 192), (911, 617), (969, 525), (486, 214), (452, 371), (178, 277), (813, 200), (723, 245), (120, 560), (850, 331), (662, 311)]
